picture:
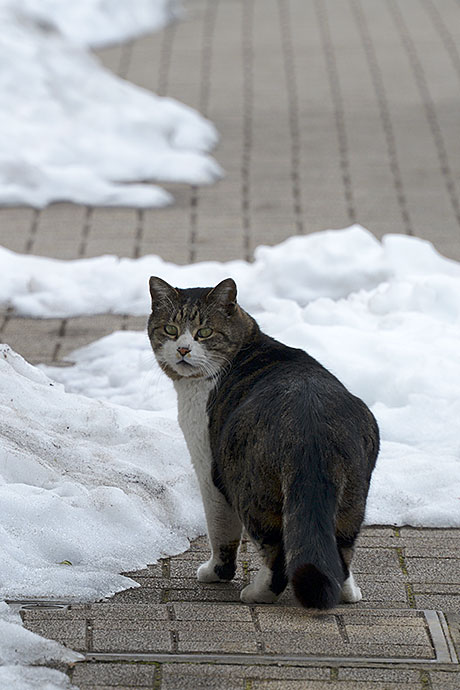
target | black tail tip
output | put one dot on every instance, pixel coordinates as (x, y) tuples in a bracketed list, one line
[(314, 589)]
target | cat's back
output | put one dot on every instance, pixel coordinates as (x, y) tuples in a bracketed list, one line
[(269, 373), (275, 396)]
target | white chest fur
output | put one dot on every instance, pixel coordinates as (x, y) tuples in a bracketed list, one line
[(192, 398)]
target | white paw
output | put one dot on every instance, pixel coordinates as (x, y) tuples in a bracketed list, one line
[(205, 572), (252, 595), (351, 593)]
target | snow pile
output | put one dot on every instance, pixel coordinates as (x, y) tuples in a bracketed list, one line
[(19, 647), (71, 130), (98, 23), (384, 317), (99, 476), (87, 489), (331, 264)]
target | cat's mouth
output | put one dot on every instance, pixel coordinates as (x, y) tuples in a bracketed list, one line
[(185, 368)]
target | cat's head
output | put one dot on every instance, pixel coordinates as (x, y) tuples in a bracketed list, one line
[(196, 332)]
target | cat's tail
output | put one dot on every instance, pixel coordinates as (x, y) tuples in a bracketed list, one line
[(313, 564)]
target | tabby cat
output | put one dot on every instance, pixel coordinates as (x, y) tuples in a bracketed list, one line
[(279, 445)]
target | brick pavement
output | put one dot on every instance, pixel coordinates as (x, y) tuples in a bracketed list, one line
[(330, 112), (173, 632)]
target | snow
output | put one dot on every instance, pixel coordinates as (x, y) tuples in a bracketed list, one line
[(20, 647), (98, 23), (95, 478), (87, 490), (71, 130)]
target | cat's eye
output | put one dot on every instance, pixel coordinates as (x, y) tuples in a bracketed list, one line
[(171, 330), (204, 332)]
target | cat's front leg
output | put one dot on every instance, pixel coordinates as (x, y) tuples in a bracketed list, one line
[(224, 534)]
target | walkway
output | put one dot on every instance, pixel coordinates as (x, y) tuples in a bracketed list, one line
[(330, 112)]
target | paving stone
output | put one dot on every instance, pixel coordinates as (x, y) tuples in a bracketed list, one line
[(290, 618), (390, 592), (433, 570), (113, 687), (284, 672), (444, 680), (119, 612), (320, 685), (69, 633), (233, 641), (404, 635), (201, 676), (429, 533), (210, 612), (226, 595), (218, 629), (334, 646), (112, 674), (431, 548), (129, 640), (368, 560), (382, 675), (444, 602), (435, 587)]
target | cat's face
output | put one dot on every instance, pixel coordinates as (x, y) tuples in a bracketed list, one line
[(195, 332)]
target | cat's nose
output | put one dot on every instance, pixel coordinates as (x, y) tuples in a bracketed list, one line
[(183, 351)]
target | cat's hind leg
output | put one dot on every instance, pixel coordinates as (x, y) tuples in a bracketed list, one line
[(351, 593), (271, 579), (224, 534)]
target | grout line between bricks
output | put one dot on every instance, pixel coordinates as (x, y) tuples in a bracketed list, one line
[(384, 111), (209, 23), (60, 338), (337, 100), (256, 623), (139, 233), (167, 44), (89, 635), (425, 680), (428, 104), (193, 225), (85, 232), (247, 19), (30, 242), (446, 37), (341, 627), (125, 59), (293, 111), (157, 677)]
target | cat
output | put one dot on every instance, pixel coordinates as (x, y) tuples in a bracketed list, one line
[(279, 445)]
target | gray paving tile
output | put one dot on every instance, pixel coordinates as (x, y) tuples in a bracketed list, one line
[(112, 674), (201, 676), (380, 675), (444, 602), (444, 680), (128, 640), (433, 569), (211, 612), (320, 685), (231, 642)]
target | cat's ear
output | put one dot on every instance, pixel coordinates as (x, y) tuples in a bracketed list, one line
[(224, 295), (161, 291)]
